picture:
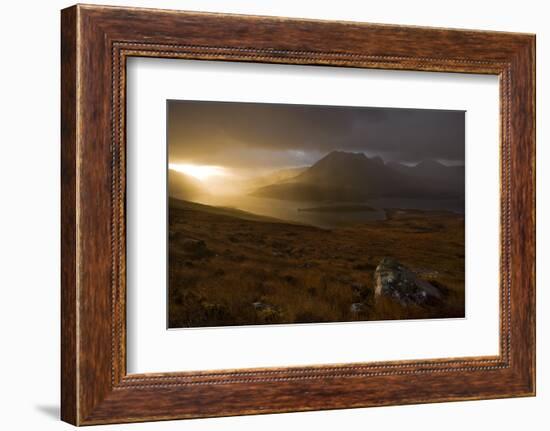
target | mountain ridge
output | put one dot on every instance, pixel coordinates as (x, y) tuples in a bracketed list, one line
[(347, 176)]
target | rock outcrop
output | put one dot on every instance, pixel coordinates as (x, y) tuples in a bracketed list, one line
[(267, 313), (395, 281), (190, 247)]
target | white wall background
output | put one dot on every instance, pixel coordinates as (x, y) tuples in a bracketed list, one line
[(29, 214)]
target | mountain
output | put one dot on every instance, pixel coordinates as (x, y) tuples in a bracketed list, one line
[(450, 177), (353, 177), (184, 187)]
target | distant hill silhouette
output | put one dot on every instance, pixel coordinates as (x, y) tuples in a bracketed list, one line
[(449, 177), (345, 176), (222, 211)]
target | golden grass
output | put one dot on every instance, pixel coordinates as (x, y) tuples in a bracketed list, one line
[(302, 274)]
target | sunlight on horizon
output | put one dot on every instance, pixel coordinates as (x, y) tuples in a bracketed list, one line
[(200, 172)]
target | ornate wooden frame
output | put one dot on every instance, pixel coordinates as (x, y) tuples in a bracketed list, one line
[(95, 43)]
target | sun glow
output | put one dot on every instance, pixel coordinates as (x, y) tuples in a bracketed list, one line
[(201, 172)]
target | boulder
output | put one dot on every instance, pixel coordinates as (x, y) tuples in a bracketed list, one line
[(357, 307), (259, 305), (192, 245), (394, 280), (267, 313), (194, 248)]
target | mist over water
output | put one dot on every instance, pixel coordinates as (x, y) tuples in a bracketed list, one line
[(327, 166), (335, 192), (293, 211)]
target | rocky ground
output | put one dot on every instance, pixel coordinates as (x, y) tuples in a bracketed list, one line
[(230, 268)]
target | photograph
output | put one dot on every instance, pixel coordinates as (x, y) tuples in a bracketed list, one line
[(287, 214)]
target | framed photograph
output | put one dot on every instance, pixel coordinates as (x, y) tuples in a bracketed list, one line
[(266, 215), (277, 215)]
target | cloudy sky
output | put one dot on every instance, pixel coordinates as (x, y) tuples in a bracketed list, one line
[(272, 136)]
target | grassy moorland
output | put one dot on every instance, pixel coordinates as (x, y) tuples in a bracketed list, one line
[(228, 267), (338, 208)]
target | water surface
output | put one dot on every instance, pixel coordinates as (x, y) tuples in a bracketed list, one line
[(340, 217)]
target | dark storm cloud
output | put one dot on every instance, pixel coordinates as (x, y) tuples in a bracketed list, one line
[(242, 134)]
